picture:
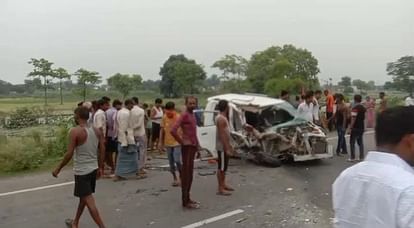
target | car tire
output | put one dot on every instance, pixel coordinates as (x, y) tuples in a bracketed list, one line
[(267, 160)]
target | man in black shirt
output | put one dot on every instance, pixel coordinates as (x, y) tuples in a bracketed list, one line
[(356, 128)]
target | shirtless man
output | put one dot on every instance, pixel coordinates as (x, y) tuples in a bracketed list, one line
[(87, 164), (223, 147)]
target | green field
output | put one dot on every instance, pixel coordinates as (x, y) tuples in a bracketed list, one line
[(9, 104)]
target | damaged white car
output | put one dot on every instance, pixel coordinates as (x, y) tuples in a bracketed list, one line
[(265, 130)]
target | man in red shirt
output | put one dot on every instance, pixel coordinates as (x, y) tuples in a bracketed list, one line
[(329, 107), (190, 144)]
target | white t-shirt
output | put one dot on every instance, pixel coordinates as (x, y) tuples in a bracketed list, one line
[(99, 120), (409, 101), (306, 111), (377, 193)]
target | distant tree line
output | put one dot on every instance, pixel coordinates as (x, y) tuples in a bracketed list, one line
[(269, 71)]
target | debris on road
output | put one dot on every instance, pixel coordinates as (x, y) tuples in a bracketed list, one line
[(241, 220), (207, 173)]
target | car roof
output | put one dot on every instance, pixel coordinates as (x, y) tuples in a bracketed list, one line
[(248, 99)]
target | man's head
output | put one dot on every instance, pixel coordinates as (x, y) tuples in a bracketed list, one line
[(394, 132), (87, 105), (107, 99), (309, 97), (339, 98), (223, 106), (381, 95), (158, 102), (358, 98), (326, 92), (103, 104), (284, 95), (190, 103), (117, 104), (318, 94), (170, 109), (81, 115), (135, 100), (129, 104), (145, 105)]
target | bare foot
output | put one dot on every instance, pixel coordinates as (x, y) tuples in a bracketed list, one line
[(228, 188)]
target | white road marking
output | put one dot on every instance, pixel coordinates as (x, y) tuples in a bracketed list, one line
[(366, 133), (214, 219), (36, 189)]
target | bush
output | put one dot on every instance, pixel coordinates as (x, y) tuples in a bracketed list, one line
[(32, 151)]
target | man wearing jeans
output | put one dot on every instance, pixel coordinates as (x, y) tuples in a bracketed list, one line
[(168, 142), (356, 128)]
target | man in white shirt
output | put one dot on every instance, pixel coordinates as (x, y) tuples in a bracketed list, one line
[(316, 107), (138, 126), (127, 158), (305, 109), (99, 119), (409, 101), (379, 192)]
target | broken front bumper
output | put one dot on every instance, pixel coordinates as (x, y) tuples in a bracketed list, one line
[(309, 157)]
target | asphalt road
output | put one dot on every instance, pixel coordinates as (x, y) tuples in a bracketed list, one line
[(294, 195)]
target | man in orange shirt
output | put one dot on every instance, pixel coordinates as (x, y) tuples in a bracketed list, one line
[(329, 107), (168, 142)]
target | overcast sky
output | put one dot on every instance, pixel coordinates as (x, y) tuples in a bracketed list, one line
[(348, 37)]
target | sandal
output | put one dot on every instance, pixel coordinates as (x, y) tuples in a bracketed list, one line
[(192, 206), (194, 202), (175, 184), (228, 188), (69, 223), (223, 193), (140, 177), (118, 178)]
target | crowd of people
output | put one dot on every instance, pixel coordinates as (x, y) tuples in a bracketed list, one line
[(112, 141), (347, 118)]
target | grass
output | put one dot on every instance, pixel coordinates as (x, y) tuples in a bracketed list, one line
[(9, 104)]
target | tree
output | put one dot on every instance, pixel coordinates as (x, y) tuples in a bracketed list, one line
[(212, 82), (151, 85), (371, 85), (361, 85), (274, 87), (287, 62), (402, 72), (124, 83), (32, 85), (232, 65), (61, 74), (345, 82), (86, 77), (42, 68), (389, 85), (180, 75), (5, 87)]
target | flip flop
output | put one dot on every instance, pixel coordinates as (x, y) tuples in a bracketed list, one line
[(223, 193), (140, 177), (118, 178), (175, 184), (230, 189), (194, 202), (69, 223), (192, 206)]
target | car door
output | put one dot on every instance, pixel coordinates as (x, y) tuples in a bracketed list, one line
[(206, 131)]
